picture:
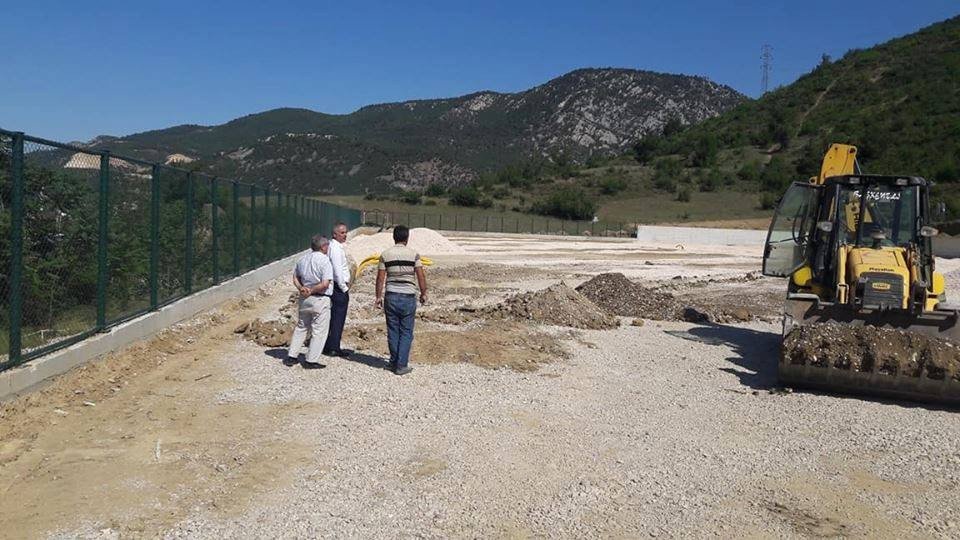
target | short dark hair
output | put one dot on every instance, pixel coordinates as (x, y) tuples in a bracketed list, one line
[(401, 233), (318, 241)]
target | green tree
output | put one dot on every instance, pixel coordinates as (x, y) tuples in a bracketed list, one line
[(567, 203)]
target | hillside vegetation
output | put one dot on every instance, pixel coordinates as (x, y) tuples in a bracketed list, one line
[(898, 102)]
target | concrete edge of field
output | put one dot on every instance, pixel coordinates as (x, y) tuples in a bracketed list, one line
[(26, 377), (944, 246)]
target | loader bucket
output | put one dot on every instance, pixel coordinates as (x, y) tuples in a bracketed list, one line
[(925, 384)]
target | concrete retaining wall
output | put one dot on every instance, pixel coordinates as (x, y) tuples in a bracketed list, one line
[(947, 247), (943, 246), (696, 235), (22, 378)]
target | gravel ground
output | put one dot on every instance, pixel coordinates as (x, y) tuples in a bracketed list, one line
[(648, 433), (666, 429)]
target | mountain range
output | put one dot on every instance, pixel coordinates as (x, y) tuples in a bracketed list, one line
[(449, 141)]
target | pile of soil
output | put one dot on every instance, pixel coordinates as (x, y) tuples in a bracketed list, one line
[(870, 349), (620, 296), (557, 305), (266, 333), (423, 241)]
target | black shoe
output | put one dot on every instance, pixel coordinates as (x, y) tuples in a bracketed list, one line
[(312, 365), (403, 371), (291, 361), (392, 366), (343, 353)]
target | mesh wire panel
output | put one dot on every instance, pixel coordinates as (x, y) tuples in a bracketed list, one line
[(172, 234), (60, 239), (128, 239), (226, 214), (202, 229)]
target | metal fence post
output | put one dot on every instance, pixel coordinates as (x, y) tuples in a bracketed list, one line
[(251, 253), (278, 229), (266, 225), (154, 236), (287, 222), (188, 264), (102, 241), (16, 250), (214, 222), (236, 228)]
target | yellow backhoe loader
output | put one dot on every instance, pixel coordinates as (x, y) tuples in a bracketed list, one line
[(857, 250)]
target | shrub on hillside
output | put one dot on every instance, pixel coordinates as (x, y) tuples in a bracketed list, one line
[(411, 197), (683, 195), (612, 185), (568, 203), (435, 190), (768, 201), (467, 196), (664, 183)]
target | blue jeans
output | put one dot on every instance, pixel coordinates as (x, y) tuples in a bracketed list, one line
[(400, 310)]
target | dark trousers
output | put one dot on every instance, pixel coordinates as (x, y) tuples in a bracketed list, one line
[(339, 302)]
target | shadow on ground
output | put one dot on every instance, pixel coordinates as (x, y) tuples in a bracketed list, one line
[(360, 358), (757, 355), (756, 352)]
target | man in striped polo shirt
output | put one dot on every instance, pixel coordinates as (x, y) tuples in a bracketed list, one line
[(400, 272)]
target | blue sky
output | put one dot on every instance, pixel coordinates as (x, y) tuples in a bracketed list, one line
[(74, 70)]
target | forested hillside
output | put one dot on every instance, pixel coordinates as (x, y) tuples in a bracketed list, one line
[(898, 102)]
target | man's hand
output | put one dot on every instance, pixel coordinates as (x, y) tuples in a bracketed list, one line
[(378, 303), (423, 298), (304, 292)]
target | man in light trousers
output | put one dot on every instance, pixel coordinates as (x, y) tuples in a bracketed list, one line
[(312, 278), (340, 299)]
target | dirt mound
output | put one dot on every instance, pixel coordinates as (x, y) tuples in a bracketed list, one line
[(557, 305), (423, 241), (267, 333), (620, 296), (869, 349)]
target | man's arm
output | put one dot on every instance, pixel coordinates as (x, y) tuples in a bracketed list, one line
[(381, 278), (338, 259), (304, 291), (422, 282), (326, 271), (319, 287)]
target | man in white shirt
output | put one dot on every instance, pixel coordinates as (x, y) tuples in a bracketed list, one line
[(312, 278), (340, 298)]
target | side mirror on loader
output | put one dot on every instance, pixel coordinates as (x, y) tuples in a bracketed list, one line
[(928, 232), (940, 214)]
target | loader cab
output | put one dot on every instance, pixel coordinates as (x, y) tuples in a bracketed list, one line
[(791, 230), (815, 221)]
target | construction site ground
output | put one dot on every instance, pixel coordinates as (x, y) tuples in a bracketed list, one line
[(506, 428)]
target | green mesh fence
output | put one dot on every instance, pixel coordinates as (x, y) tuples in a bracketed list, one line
[(92, 239), (501, 223)]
